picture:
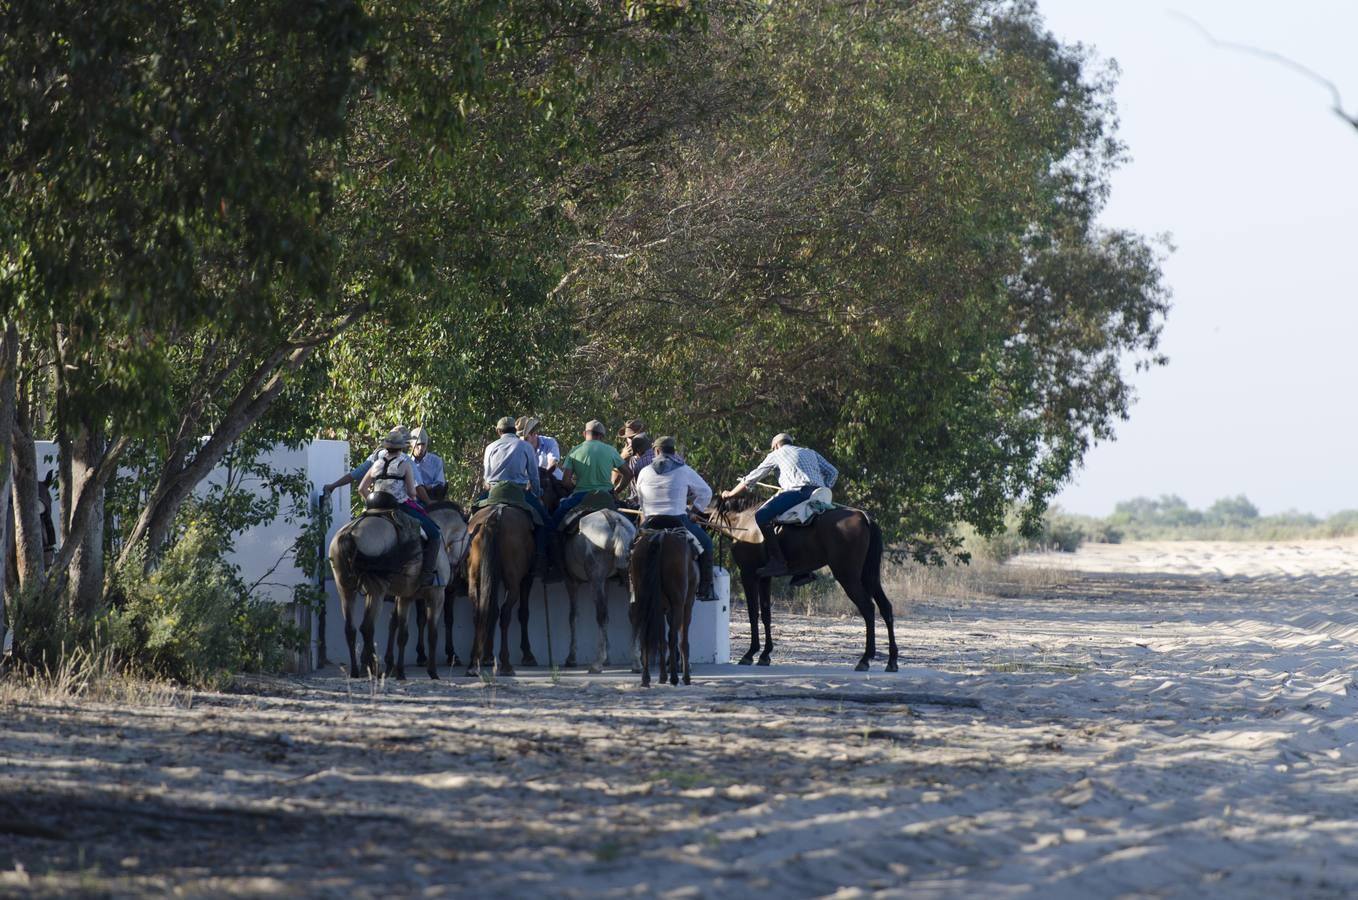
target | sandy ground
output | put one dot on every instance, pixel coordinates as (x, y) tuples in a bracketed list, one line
[(1164, 720)]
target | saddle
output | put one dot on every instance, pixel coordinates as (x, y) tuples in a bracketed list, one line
[(676, 528), (508, 493), (804, 513), (593, 502), (409, 542)]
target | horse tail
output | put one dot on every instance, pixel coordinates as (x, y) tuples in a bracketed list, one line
[(651, 602), (872, 565), (488, 578)]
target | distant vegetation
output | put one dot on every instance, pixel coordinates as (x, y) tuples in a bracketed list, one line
[(1166, 518)]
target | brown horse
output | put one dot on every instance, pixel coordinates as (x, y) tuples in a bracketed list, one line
[(844, 539), (452, 523), (501, 553), (664, 573)]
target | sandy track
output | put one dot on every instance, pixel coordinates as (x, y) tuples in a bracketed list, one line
[(1145, 733)]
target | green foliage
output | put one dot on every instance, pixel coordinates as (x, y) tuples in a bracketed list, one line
[(193, 620)]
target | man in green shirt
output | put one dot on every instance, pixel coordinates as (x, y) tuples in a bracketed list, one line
[(589, 468)]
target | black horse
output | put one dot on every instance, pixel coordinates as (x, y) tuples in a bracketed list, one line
[(845, 539)]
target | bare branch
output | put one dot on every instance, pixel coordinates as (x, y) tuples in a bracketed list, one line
[(1336, 100)]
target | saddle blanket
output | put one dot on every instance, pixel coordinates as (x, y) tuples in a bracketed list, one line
[(509, 494), (692, 541), (821, 500), (593, 502), (409, 543)]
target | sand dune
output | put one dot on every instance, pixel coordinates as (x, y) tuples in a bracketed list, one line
[(1170, 720)]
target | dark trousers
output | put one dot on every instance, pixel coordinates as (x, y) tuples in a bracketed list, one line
[(780, 503)]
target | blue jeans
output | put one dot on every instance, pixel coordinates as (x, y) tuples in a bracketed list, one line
[(539, 532), (567, 505), (780, 503), (696, 530), (431, 530)]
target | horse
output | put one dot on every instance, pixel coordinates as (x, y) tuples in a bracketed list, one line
[(501, 553), (590, 557), (371, 537), (664, 575), (452, 525), (845, 539)]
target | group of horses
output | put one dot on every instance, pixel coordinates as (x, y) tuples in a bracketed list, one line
[(494, 551)]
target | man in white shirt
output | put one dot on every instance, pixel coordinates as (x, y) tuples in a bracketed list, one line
[(547, 449), (800, 471), (666, 488), (428, 465)]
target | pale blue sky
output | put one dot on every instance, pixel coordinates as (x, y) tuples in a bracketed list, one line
[(1243, 163)]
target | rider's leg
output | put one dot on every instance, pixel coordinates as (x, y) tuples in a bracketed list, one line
[(540, 532), (764, 516), (564, 507), (432, 537), (704, 560)]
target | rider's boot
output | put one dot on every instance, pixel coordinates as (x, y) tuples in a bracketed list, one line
[(776, 564), (705, 592)]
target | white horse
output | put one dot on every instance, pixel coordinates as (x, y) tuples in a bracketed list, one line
[(601, 548), (371, 537)]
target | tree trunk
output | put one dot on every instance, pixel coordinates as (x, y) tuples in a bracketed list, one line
[(27, 518), (9, 361), (81, 457)]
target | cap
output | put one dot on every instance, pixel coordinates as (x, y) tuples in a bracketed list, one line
[(665, 445), (631, 427), (505, 424), (419, 436), (594, 426), (779, 439), (397, 438)]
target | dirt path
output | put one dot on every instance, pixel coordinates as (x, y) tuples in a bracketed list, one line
[(1140, 733)]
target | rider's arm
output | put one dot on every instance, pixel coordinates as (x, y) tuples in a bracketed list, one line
[(827, 471), (767, 467), (700, 492), (366, 485), (413, 487), (534, 478)]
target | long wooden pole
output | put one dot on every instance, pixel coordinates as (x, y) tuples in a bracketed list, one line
[(547, 619)]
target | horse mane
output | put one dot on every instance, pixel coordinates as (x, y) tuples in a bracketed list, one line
[(739, 504)]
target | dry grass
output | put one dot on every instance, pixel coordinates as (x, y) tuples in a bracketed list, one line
[(911, 582), (90, 675)]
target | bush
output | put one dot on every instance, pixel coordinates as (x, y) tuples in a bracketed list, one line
[(192, 620)]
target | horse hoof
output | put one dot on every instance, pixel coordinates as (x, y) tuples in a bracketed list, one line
[(764, 660), (529, 659), (358, 673), (401, 675), (596, 669), (862, 666), (433, 674), (688, 679), (455, 662), (570, 663), (746, 660), (506, 671), (471, 673), (891, 665)]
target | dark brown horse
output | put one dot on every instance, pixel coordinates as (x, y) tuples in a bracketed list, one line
[(664, 575), (844, 539), (501, 555)]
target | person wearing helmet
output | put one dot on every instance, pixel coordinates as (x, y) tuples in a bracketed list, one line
[(800, 471), (393, 473), (428, 465), (355, 475)]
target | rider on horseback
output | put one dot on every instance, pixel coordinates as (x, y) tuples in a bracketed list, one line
[(428, 465), (666, 488), (391, 481), (511, 460), (546, 448), (591, 466), (800, 471)]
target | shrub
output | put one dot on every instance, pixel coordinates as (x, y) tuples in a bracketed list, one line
[(192, 620)]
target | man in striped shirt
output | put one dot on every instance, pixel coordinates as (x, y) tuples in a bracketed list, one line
[(800, 471)]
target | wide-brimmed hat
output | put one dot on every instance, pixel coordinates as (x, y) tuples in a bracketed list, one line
[(632, 427), (526, 425), (594, 426), (396, 439), (419, 436), (781, 437), (505, 424)]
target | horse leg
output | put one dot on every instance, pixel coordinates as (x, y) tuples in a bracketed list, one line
[(369, 660), (506, 615), (525, 591), (430, 601), (683, 639), (421, 623), (571, 590), (889, 617), (601, 619), (672, 638), (402, 619), (350, 632), (396, 623), (852, 584), (449, 596), (766, 613), (750, 582), (478, 631)]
